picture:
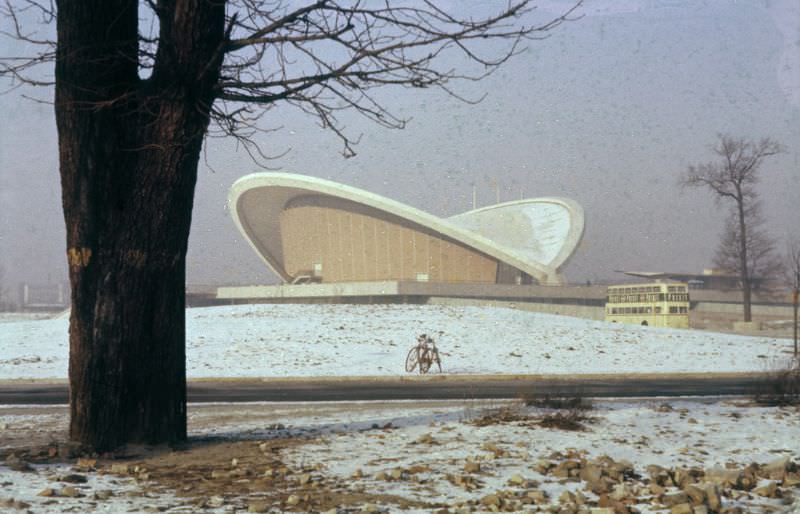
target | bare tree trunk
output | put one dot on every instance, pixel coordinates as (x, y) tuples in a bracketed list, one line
[(795, 299), (744, 271), (129, 151)]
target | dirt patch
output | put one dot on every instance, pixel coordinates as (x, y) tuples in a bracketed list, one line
[(573, 419), (251, 475)]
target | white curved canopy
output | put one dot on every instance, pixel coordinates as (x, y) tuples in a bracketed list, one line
[(536, 236)]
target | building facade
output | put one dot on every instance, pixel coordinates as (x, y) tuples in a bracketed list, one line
[(309, 229)]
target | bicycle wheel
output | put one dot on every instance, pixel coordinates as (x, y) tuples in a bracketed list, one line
[(411, 359), (437, 359), (425, 362)]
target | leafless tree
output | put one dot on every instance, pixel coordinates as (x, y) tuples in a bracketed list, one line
[(3, 304), (139, 85), (732, 178), (763, 261), (792, 271)]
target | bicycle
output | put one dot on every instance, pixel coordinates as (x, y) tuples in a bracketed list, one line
[(424, 354)]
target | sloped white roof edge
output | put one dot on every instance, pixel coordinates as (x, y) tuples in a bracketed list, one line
[(577, 223), (306, 184)]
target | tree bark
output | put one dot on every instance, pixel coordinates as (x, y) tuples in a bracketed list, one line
[(129, 150), (744, 271)]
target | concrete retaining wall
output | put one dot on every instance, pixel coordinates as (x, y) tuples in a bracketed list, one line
[(578, 311)]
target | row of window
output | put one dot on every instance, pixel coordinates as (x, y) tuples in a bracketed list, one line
[(645, 289), (647, 310), (650, 297)]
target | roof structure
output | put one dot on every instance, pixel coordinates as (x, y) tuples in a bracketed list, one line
[(534, 236)]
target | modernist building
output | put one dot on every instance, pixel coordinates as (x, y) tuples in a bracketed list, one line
[(309, 229)]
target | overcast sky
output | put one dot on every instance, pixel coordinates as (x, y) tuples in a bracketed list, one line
[(608, 111)]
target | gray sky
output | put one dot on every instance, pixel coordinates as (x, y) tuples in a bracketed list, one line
[(608, 111)]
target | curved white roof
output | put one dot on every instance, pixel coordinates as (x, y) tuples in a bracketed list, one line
[(536, 236)]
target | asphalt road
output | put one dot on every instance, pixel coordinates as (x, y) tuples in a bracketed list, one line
[(432, 387)]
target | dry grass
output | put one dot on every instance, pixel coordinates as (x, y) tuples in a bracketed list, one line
[(499, 416), (572, 420), (781, 387)]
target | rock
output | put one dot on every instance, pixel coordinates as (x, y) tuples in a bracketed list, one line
[(776, 470), (293, 499), (538, 497), (396, 474), (516, 480), (591, 473), (655, 489), (491, 499), (791, 480), (426, 439), (601, 510), (103, 494), (472, 467), (713, 499), (86, 464), (219, 473), (216, 501), (47, 493), (700, 509), (264, 447), (70, 492), (120, 469), (304, 478), (681, 477), (563, 469), (621, 492), (331, 511), (369, 509), (543, 466), (12, 504), (681, 508), (672, 499), (19, 465), (696, 494), (658, 475), (768, 490), (381, 475), (722, 476), (258, 506), (73, 479)]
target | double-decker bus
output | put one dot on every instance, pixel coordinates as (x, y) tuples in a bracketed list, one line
[(659, 304)]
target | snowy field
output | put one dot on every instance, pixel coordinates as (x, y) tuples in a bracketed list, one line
[(372, 340), (420, 457)]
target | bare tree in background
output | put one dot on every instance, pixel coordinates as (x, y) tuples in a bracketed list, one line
[(792, 270), (3, 304), (138, 86), (745, 245), (763, 260)]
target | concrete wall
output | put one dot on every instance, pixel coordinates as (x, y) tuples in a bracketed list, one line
[(578, 311), (735, 309)]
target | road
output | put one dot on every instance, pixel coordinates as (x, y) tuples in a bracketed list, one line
[(431, 387)]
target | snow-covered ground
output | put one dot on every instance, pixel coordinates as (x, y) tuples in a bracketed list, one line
[(361, 340), (410, 456)]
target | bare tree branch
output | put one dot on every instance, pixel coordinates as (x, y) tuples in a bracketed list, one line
[(745, 246), (324, 56)]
